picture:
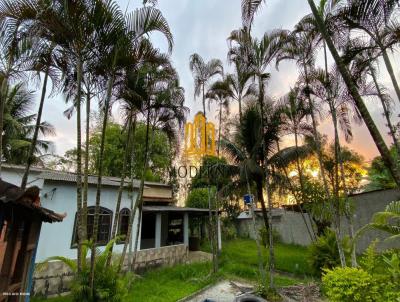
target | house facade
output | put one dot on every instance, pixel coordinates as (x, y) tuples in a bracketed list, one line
[(163, 233)]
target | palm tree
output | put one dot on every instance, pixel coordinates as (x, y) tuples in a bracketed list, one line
[(241, 84), (373, 18), (203, 72), (18, 127), (220, 93), (248, 153), (254, 5), (129, 33), (386, 221)]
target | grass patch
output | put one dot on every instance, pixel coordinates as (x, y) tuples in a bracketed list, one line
[(171, 284), (238, 261), (239, 257)]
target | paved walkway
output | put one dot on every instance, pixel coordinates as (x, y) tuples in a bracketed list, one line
[(223, 291)]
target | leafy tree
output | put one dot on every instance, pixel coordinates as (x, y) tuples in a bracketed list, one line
[(198, 198), (379, 175)]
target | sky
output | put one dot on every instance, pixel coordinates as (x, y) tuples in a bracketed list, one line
[(202, 26)]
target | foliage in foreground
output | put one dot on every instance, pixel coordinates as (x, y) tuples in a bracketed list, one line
[(324, 253), (378, 279), (109, 284)]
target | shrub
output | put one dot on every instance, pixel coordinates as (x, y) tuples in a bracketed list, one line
[(263, 233), (324, 253), (110, 285), (228, 230), (349, 285)]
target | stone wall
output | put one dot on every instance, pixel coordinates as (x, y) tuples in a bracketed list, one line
[(54, 278), (292, 229)]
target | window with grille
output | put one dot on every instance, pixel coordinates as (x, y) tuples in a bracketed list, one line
[(104, 227), (123, 222)]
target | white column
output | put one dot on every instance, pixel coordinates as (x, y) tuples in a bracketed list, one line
[(186, 229), (140, 216), (219, 233), (158, 230)]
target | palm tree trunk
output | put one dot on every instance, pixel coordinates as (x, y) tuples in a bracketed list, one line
[(240, 108), (342, 256), (128, 150), (148, 146), (260, 199), (270, 233), (219, 127), (36, 131), (301, 177), (385, 110), (256, 234), (79, 163), (390, 70), (380, 143), (99, 179), (3, 100), (86, 168)]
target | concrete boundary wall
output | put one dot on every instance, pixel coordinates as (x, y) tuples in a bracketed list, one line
[(55, 277), (292, 230)]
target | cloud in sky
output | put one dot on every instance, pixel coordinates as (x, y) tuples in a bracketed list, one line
[(202, 26)]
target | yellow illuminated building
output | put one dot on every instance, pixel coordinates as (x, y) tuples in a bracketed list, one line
[(199, 138)]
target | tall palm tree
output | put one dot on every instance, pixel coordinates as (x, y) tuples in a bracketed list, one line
[(372, 18), (241, 83), (18, 127), (220, 93), (251, 149), (203, 72), (254, 5)]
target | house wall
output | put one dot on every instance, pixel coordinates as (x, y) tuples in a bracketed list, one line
[(56, 239), (292, 229)]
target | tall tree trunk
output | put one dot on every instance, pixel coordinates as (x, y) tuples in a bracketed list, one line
[(148, 146), (240, 107), (386, 112), (79, 163), (86, 167), (390, 70), (301, 178), (3, 100), (36, 131), (342, 256), (99, 179), (128, 150), (260, 199), (380, 143), (270, 233), (256, 234), (219, 127)]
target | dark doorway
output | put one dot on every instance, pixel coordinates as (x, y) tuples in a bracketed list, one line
[(148, 236)]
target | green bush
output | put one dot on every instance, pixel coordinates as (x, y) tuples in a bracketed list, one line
[(228, 230), (350, 285), (263, 233), (110, 285), (324, 253)]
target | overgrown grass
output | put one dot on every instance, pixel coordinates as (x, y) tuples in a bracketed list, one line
[(171, 284), (238, 260)]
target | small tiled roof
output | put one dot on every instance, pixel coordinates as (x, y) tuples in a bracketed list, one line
[(11, 195)]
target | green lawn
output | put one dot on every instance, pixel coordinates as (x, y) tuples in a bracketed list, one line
[(237, 261)]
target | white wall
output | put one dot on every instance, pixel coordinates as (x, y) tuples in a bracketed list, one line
[(55, 238)]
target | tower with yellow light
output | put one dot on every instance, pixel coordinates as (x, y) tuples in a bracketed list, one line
[(199, 138)]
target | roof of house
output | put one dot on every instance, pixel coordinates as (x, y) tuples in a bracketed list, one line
[(11, 195), (174, 209), (71, 177)]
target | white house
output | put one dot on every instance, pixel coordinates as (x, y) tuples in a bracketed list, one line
[(164, 232)]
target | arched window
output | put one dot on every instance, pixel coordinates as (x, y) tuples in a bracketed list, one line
[(123, 222), (104, 227)]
